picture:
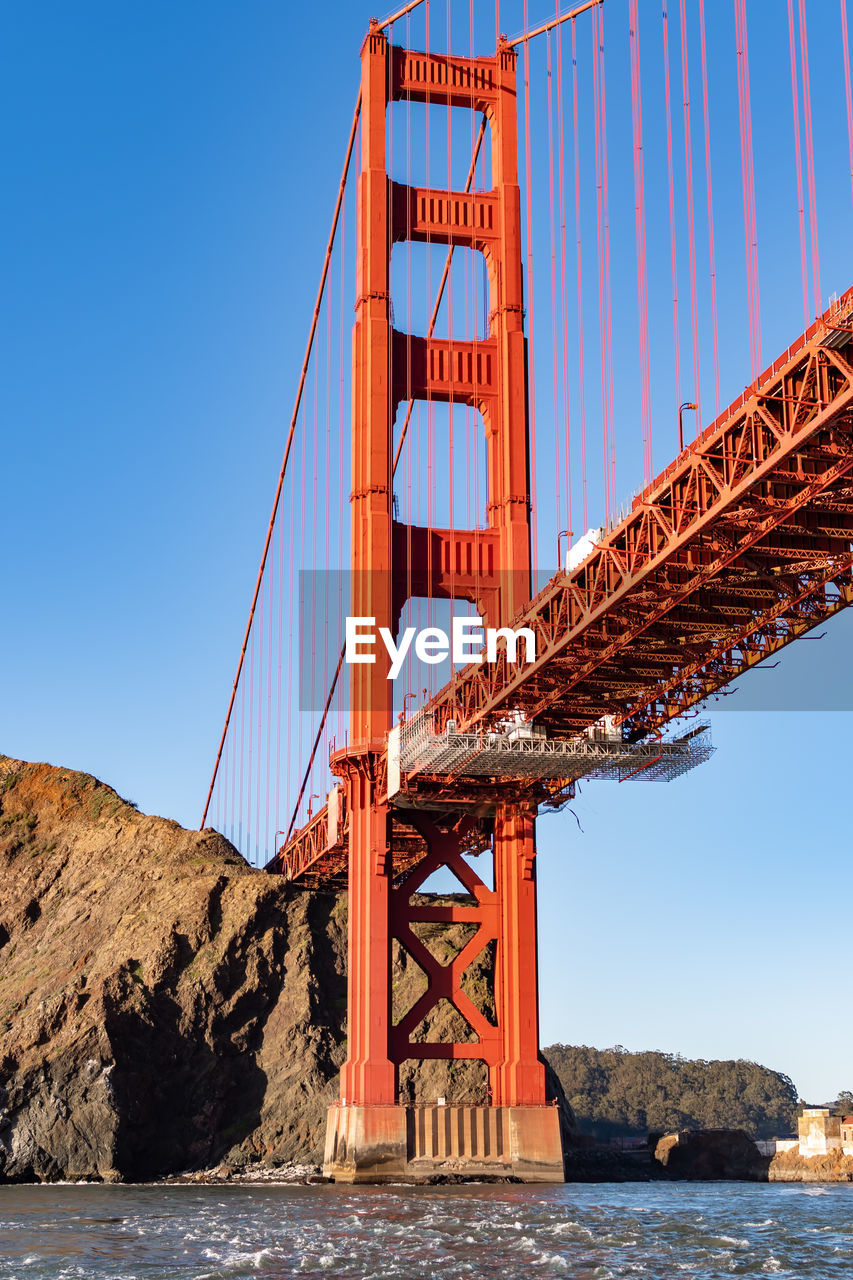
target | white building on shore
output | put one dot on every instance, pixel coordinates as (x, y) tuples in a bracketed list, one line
[(820, 1132)]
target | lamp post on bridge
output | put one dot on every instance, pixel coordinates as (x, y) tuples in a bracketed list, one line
[(688, 404)]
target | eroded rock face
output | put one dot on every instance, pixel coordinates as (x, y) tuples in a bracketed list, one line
[(790, 1166), (710, 1154), (162, 1004)]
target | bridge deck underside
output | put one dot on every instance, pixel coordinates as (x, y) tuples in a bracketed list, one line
[(744, 544)]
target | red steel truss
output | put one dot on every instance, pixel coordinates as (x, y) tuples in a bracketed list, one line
[(750, 520), (742, 545)]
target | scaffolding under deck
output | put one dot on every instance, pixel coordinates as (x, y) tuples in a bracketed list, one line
[(521, 751)]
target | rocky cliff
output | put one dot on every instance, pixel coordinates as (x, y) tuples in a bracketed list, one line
[(710, 1154), (790, 1166), (163, 1005)]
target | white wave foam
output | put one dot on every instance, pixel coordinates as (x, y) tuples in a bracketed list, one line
[(235, 1264), (551, 1260)]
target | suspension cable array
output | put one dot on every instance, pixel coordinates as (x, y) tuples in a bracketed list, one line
[(628, 268)]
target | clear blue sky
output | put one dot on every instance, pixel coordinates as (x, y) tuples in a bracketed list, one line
[(169, 176)]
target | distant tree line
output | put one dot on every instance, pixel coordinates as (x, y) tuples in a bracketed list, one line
[(616, 1093)]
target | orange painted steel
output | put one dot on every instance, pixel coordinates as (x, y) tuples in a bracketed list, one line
[(444, 849), (490, 376), (742, 545)]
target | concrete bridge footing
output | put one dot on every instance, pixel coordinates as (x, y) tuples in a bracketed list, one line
[(418, 1143)]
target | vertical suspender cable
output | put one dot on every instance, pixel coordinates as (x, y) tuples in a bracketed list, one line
[(241, 822), (807, 121), (552, 228), (343, 507), (314, 529), (258, 766), (263, 662), (470, 319), (298, 564), (601, 240), (309, 767), (474, 523), (223, 789), (410, 519), (579, 271), (691, 229), (328, 506), (756, 300), (218, 793), (599, 234), (250, 776), (277, 806), (450, 451), (640, 225), (564, 316), (256, 696), (608, 309), (321, 733), (235, 765), (430, 410), (469, 285), (671, 181), (750, 231), (531, 364), (288, 444), (712, 265), (309, 560), (292, 606), (270, 661), (744, 183), (798, 162), (845, 54), (223, 815)]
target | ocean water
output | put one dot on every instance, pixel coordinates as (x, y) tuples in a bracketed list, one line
[(656, 1230)]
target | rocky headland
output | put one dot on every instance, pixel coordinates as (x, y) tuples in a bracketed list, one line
[(164, 1006)]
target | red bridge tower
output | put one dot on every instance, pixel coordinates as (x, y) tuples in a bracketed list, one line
[(371, 1135)]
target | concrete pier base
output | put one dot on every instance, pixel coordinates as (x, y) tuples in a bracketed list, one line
[(417, 1143)]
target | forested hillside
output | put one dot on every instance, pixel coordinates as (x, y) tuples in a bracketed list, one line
[(614, 1092)]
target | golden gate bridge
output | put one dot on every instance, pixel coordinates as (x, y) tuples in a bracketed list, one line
[(494, 191)]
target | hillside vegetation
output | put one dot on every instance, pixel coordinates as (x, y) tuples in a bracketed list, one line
[(613, 1092)]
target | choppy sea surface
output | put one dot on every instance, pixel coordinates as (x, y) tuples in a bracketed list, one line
[(581, 1231)]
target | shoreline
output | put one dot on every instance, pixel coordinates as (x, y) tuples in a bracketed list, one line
[(295, 1176)]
